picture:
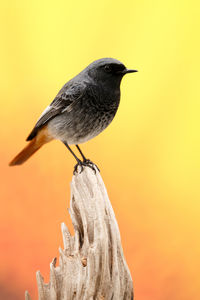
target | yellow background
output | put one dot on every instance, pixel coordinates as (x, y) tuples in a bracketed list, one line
[(149, 156)]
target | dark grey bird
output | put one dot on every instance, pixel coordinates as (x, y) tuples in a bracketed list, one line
[(82, 109)]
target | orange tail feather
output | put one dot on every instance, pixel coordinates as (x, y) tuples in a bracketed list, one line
[(27, 152), (34, 145)]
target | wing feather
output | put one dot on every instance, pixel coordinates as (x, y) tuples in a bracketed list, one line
[(64, 101)]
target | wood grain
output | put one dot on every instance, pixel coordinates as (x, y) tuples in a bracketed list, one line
[(92, 264)]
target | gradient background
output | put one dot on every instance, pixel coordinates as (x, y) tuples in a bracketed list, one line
[(149, 156)]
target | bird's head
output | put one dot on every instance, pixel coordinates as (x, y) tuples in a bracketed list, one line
[(108, 71)]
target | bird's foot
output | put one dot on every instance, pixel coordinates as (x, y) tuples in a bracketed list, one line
[(79, 164), (82, 164), (90, 163)]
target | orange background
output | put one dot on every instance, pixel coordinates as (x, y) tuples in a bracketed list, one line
[(149, 155)]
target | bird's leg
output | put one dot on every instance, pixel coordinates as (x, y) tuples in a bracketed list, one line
[(79, 162), (83, 156), (86, 161)]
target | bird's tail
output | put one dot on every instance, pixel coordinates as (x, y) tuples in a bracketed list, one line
[(27, 152), (34, 145)]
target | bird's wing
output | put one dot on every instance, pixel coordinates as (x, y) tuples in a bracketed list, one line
[(64, 101)]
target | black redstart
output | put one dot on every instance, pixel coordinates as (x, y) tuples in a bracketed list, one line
[(82, 109)]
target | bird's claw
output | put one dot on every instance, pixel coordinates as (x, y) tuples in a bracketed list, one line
[(79, 163), (90, 163), (85, 163)]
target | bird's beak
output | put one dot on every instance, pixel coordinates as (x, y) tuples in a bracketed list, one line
[(125, 71), (129, 71)]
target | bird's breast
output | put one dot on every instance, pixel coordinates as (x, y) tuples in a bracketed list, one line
[(89, 117)]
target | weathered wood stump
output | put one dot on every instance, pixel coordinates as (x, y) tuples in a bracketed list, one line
[(92, 265)]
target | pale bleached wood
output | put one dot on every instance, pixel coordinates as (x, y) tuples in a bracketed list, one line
[(92, 265)]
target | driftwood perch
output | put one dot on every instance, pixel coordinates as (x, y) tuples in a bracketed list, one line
[(92, 265)]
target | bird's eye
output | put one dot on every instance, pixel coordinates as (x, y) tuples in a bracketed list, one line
[(107, 68)]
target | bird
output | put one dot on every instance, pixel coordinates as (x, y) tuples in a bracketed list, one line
[(82, 109)]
